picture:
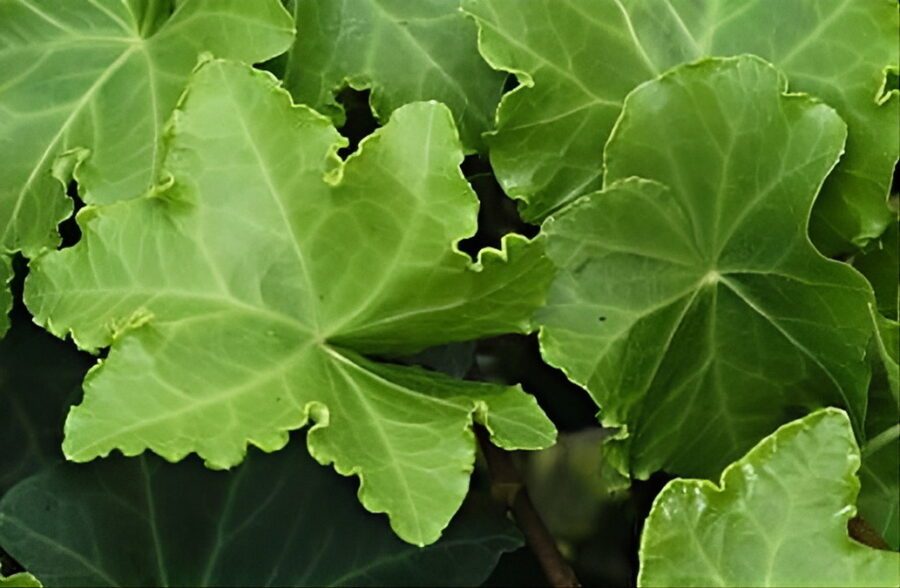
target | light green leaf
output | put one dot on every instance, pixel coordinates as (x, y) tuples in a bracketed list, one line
[(240, 297), (87, 87), (279, 520), (691, 304), (404, 51), (20, 580), (879, 498), (578, 59), (778, 518)]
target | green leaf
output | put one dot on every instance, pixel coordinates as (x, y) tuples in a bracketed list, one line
[(20, 580), (881, 266), (879, 498), (551, 130), (691, 304), (403, 51), (240, 297), (778, 518), (87, 87), (278, 520), (6, 302), (39, 376)]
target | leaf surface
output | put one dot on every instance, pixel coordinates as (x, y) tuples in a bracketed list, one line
[(20, 580), (578, 59), (39, 377), (404, 52), (691, 304), (881, 266), (778, 518), (87, 87), (879, 498), (278, 520), (240, 297)]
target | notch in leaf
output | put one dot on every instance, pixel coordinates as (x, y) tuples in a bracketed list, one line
[(87, 88), (241, 300)]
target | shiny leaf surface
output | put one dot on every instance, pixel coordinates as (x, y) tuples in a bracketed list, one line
[(777, 518)]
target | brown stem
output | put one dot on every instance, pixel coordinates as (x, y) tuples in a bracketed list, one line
[(863, 532), (507, 486)]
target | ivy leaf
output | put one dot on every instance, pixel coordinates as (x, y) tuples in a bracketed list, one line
[(881, 266), (778, 518), (879, 498), (20, 580), (404, 52), (87, 87), (39, 376), (240, 297), (144, 522), (691, 304), (551, 130)]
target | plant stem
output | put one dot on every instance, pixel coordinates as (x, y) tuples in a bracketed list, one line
[(882, 439), (507, 486)]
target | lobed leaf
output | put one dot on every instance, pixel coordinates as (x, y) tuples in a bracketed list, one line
[(87, 88), (778, 518), (405, 52), (691, 304), (578, 59), (240, 297)]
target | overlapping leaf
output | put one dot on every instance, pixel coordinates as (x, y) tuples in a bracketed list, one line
[(691, 304), (879, 498), (20, 580), (404, 51), (39, 377), (881, 266), (240, 297), (279, 520), (577, 60), (778, 518), (87, 87)]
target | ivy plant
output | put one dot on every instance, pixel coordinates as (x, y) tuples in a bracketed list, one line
[(666, 295), (303, 292), (778, 518), (551, 130)]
